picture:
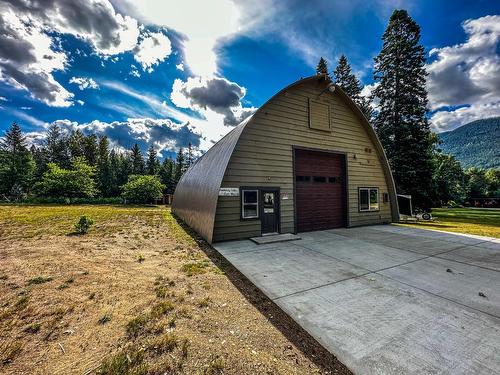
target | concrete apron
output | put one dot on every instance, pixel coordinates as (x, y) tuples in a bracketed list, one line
[(386, 299)]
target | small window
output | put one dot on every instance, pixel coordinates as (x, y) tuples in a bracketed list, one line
[(368, 199), (302, 178), (249, 204), (320, 179)]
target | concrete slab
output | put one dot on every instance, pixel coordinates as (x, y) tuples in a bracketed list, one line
[(290, 269), (461, 285), (378, 326), (284, 237), (363, 254), (380, 298), (483, 255)]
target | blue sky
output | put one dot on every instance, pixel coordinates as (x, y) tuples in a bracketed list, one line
[(169, 73)]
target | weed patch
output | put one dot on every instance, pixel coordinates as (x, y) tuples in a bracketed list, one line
[(33, 328), (136, 326), (195, 268), (39, 280)]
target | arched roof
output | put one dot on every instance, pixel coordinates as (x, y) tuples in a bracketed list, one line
[(197, 192)]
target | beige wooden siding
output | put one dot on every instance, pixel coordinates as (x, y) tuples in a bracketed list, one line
[(263, 157)]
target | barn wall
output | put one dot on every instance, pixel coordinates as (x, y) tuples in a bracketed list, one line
[(263, 157)]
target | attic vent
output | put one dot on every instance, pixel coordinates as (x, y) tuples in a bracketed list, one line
[(319, 115)]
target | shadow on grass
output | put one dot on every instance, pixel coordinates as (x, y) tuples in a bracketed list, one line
[(301, 339)]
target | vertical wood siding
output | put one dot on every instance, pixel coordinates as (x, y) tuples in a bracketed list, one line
[(264, 157)]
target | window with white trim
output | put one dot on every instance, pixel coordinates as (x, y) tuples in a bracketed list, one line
[(249, 204), (368, 199)]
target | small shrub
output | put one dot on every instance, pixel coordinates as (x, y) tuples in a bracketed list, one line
[(92, 296), (39, 280), (33, 328), (104, 319), (162, 308), (83, 225), (164, 344), (140, 258), (195, 268), (137, 325), (123, 363), (216, 366), (8, 352), (204, 302), (22, 302)]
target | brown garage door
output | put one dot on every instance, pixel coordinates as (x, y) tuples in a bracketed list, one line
[(319, 190)]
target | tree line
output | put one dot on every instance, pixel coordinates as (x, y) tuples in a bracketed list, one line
[(418, 165), (78, 165)]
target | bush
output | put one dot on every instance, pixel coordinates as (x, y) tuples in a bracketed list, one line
[(50, 200), (142, 189), (83, 224)]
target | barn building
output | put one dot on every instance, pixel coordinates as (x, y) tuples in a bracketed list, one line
[(306, 160)]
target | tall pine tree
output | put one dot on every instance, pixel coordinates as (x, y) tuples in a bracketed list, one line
[(137, 160), (152, 162), (103, 170), (16, 163), (322, 67), (180, 165), (401, 122), (167, 175), (56, 147), (349, 83)]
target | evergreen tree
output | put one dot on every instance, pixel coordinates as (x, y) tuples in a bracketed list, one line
[(115, 173), (167, 175), (137, 160), (56, 147), (180, 166), (190, 156), (90, 149), (16, 163), (76, 144), (152, 162), (349, 83), (401, 122), (322, 67), (40, 157), (103, 172)]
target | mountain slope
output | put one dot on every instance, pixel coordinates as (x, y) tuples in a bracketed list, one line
[(476, 144)]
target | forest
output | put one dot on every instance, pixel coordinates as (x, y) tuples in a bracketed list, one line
[(83, 168)]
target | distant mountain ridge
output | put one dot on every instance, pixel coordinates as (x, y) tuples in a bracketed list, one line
[(476, 144)]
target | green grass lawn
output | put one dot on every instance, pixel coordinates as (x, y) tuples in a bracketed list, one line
[(464, 220)]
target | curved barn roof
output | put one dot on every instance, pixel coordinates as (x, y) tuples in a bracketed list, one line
[(197, 192)]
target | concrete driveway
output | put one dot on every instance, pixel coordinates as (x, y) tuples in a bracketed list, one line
[(387, 299)]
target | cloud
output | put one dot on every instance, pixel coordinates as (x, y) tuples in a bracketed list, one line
[(152, 50), (466, 75), (84, 83), (217, 94), (165, 135), (449, 120), (203, 23), (469, 72), (29, 52)]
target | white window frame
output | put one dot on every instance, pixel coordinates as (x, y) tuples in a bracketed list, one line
[(256, 216), (369, 190)]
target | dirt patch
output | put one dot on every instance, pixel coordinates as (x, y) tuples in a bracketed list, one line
[(137, 294)]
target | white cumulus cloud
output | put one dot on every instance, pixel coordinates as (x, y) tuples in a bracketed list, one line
[(152, 50), (84, 83), (466, 76)]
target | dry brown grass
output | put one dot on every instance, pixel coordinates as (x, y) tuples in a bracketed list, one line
[(77, 304)]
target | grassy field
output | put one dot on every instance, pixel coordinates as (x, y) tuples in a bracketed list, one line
[(138, 294), (464, 220)]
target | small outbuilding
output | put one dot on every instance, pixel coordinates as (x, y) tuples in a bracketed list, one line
[(306, 160)]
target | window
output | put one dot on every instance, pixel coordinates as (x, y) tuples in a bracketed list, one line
[(320, 179), (302, 178), (368, 199), (249, 204)]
